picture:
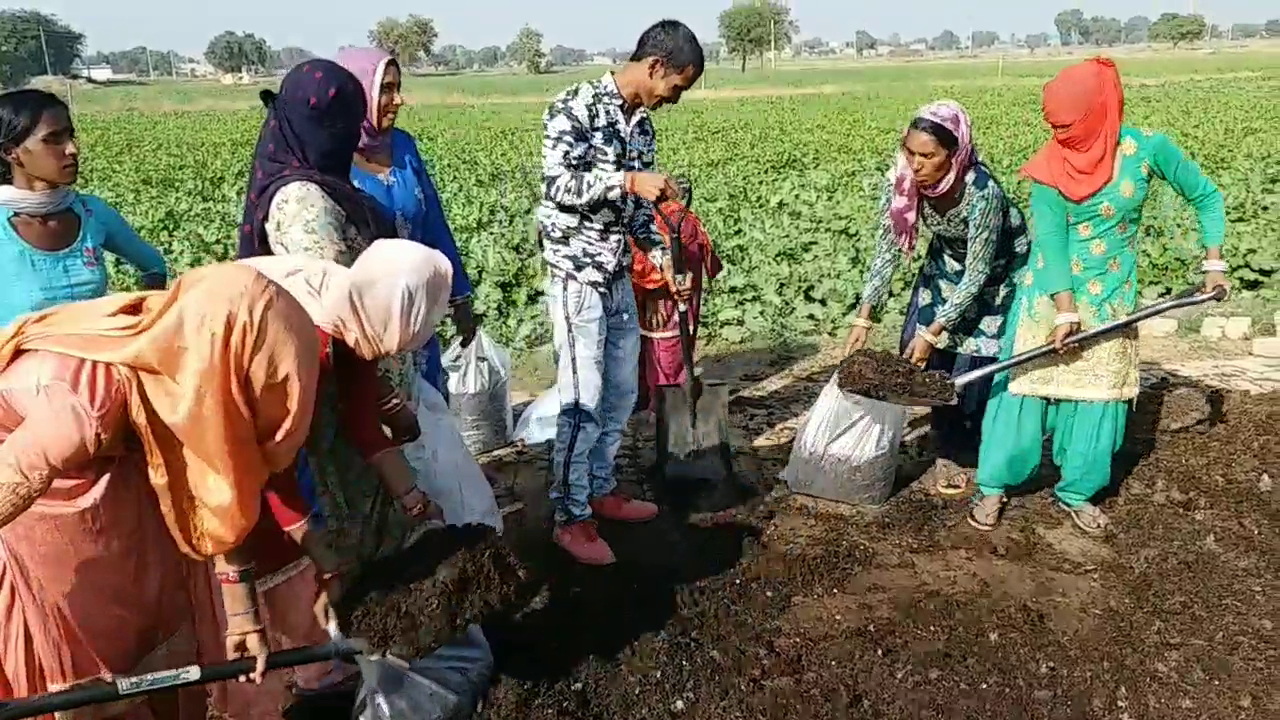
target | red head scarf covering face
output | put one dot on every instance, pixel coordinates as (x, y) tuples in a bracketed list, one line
[(1084, 104)]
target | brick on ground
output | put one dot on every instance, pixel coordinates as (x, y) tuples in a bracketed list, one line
[(1159, 327), (1213, 327), (1267, 347), (1238, 328)]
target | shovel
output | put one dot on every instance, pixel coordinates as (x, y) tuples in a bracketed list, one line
[(693, 418), (100, 691), (1188, 299)]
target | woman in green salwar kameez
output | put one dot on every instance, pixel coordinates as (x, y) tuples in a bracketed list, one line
[(1089, 186)]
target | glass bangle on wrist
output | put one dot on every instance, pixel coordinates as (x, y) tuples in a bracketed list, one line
[(1209, 266), (928, 337), (1066, 318), (863, 323)]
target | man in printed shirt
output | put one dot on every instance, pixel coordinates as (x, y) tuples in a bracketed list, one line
[(599, 187)]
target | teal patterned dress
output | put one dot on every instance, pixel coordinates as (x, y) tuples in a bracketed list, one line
[(966, 283), (1089, 248)]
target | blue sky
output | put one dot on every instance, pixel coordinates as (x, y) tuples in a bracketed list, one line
[(324, 25)]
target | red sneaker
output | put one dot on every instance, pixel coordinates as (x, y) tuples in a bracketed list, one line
[(581, 540), (621, 508)]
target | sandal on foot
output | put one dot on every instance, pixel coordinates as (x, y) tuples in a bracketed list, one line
[(1088, 517), (953, 480), (986, 511)]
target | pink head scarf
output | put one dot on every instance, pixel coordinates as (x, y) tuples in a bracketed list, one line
[(905, 206), (369, 65), (388, 302)]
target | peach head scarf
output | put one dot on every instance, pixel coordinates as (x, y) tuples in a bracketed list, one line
[(1084, 104), (221, 371), (388, 302)]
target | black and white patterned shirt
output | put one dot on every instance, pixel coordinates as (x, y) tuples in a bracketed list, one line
[(589, 142)]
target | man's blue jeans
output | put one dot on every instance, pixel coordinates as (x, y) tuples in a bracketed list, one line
[(597, 345)]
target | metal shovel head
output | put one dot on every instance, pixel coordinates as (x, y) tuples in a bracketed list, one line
[(693, 435)]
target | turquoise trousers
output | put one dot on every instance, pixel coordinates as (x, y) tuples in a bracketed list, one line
[(1086, 435)]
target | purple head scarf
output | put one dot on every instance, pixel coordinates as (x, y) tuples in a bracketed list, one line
[(369, 65), (905, 206), (310, 133)]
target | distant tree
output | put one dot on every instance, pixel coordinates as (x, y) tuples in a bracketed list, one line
[(711, 50), (1175, 28), (895, 40), (866, 41), (1104, 31), (562, 56), (1035, 41), (231, 52), (1070, 25), (920, 41), (452, 57), (134, 61), (1247, 31), (1135, 29), (1271, 28), (526, 50), (21, 55), (745, 29), (489, 56), (945, 42), (985, 38), (409, 40), (287, 57)]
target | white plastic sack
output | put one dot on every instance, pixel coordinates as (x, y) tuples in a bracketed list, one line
[(391, 690), (847, 448), (537, 423), (444, 468), (480, 391)]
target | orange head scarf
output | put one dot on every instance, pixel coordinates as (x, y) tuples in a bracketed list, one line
[(1084, 104), (221, 371)]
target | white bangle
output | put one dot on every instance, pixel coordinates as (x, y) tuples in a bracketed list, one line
[(1066, 318), (928, 337), (1214, 266)]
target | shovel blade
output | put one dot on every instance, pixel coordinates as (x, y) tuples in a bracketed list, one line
[(693, 435)]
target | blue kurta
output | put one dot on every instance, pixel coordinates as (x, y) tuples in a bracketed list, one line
[(37, 279), (408, 194)]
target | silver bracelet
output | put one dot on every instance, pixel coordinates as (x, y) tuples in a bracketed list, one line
[(1214, 266), (1066, 318)]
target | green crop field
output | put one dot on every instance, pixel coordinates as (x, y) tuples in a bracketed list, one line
[(785, 167)]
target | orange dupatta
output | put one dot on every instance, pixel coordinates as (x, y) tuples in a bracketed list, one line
[(1084, 104), (221, 371)]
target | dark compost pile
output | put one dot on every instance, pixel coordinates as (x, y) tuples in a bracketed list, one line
[(912, 614), (414, 602), (881, 375), (908, 612)]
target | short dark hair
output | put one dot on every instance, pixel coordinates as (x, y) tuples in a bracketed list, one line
[(940, 132), (672, 42), (20, 114)]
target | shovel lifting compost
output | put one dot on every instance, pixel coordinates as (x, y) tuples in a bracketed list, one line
[(1186, 299), (693, 417), (101, 691)]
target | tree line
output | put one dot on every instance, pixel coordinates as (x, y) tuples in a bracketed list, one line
[(34, 43)]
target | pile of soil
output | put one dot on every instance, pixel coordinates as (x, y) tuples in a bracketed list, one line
[(908, 612), (412, 603), (881, 375)]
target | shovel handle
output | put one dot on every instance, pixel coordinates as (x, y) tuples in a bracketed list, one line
[(98, 691), (1184, 300)]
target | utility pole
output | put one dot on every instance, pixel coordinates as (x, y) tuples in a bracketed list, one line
[(151, 71), (173, 66), (44, 45)]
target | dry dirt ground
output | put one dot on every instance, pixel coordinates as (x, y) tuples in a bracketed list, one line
[(806, 609)]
